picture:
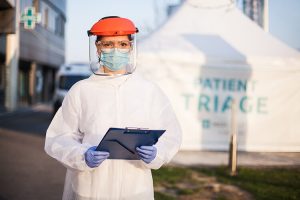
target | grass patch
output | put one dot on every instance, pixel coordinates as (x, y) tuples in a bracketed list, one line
[(161, 196), (170, 175), (262, 183), (171, 182)]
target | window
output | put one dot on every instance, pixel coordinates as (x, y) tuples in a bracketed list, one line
[(59, 26), (51, 19)]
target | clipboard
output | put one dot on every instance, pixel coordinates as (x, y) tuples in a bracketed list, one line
[(121, 143)]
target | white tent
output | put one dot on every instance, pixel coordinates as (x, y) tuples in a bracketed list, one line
[(207, 55)]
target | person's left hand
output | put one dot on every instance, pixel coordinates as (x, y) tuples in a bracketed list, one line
[(147, 153)]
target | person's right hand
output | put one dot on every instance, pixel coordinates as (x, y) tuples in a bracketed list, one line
[(94, 158)]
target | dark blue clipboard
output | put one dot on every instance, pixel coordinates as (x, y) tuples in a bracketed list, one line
[(121, 143)]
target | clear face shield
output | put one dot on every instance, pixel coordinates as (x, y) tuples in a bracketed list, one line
[(112, 55)]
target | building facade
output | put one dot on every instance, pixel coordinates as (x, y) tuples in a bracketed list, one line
[(41, 50), (254, 9)]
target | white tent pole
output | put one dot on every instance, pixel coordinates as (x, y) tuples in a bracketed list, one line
[(233, 140)]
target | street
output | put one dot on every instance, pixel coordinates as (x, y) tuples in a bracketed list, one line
[(26, 172)]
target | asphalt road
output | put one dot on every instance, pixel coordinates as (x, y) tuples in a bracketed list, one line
[(26, 171)]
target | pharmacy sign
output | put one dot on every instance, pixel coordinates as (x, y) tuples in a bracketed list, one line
[(29, 17)]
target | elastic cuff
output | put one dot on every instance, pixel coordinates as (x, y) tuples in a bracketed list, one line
[(156, 163), (81, 161)]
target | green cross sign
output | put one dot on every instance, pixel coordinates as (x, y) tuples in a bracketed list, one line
[(30, 18)]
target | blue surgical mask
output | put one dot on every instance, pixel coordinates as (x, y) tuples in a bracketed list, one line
[(115, 60)]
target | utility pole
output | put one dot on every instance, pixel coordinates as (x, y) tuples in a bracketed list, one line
[(11, 63)]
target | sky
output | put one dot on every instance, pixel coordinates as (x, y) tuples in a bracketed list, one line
[(285, 21), (81, 15)]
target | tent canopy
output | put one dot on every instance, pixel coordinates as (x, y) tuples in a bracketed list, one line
[(215, 31)]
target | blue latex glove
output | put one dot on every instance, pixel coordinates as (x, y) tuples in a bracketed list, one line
[(147, 153), (94, 158)]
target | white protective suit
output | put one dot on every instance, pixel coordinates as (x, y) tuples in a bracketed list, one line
[(89, 109)]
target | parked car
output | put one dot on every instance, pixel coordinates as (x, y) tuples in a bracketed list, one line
[(67, 76)]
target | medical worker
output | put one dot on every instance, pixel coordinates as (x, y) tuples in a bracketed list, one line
[(114, 96)]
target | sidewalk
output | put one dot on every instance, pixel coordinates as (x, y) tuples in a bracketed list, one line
[(32, 120), (37, 107), (21, 109), (216, 158)]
